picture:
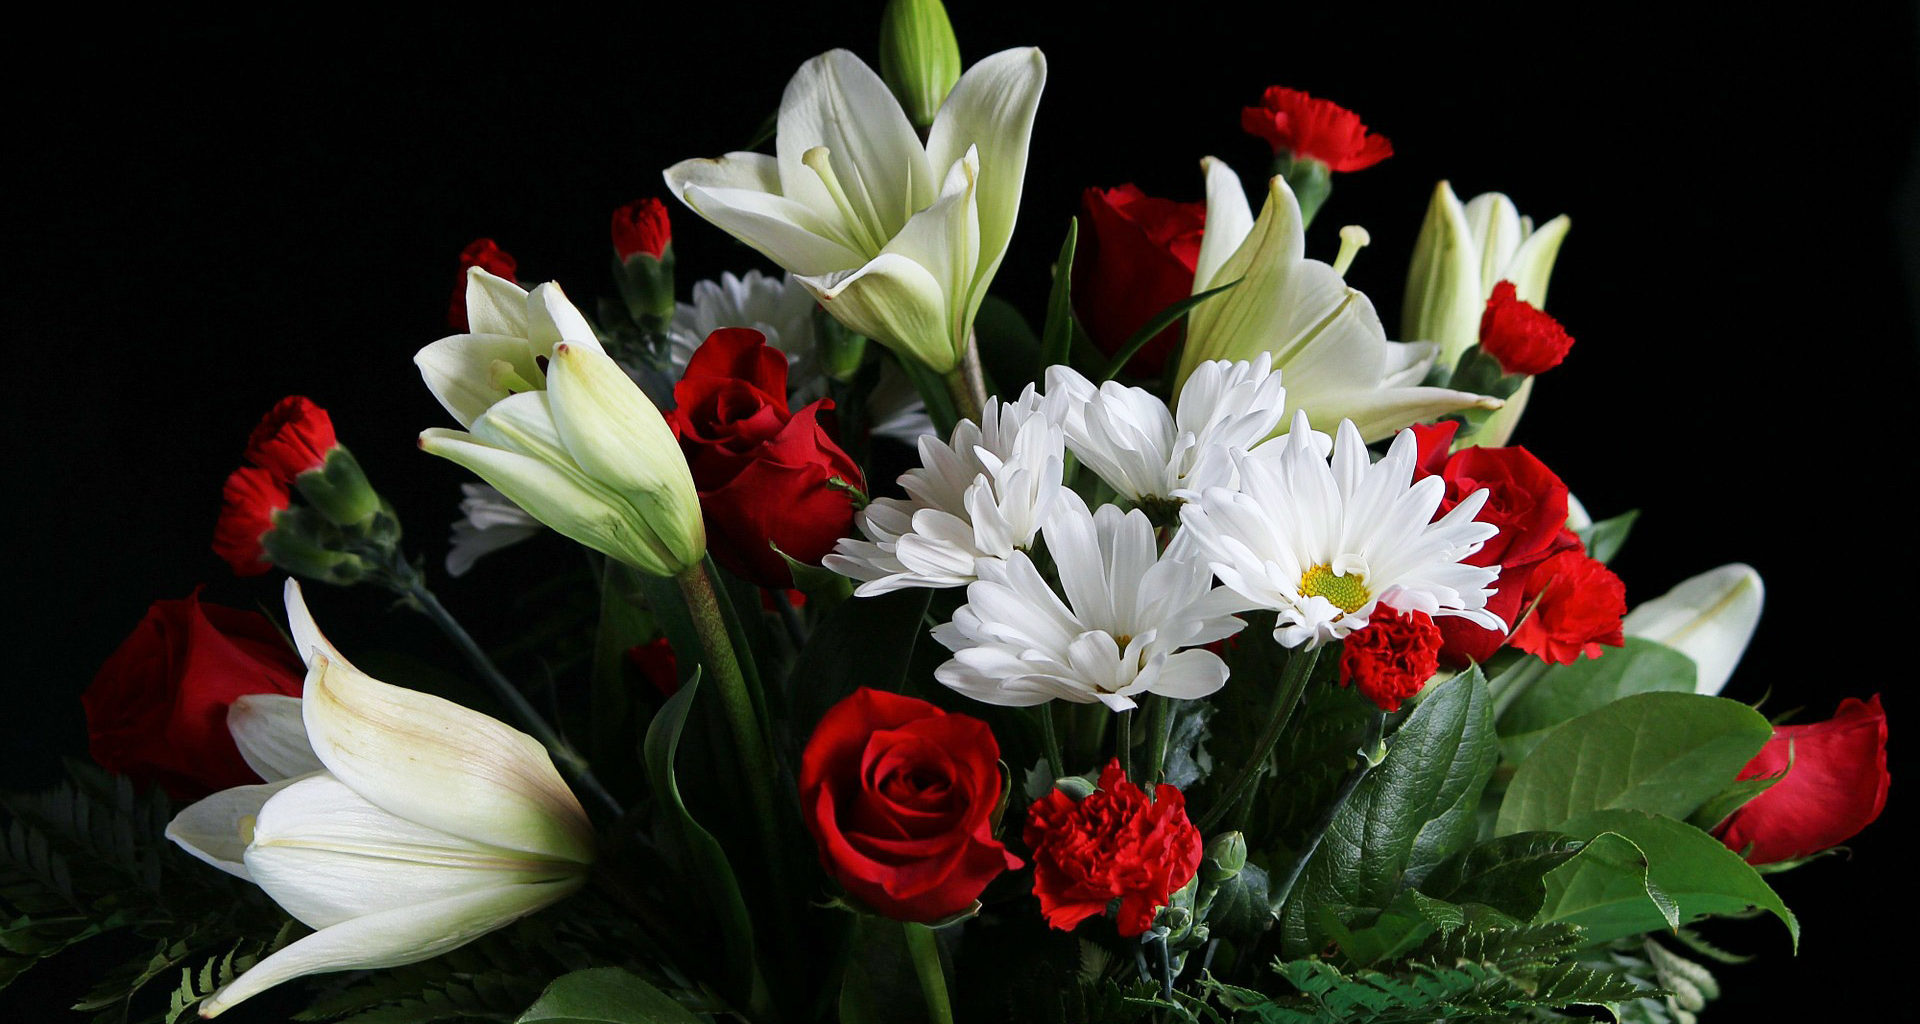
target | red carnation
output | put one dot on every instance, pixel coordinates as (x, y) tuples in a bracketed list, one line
[(900, 797), (657, 664), (293, 438), (1392, 657), (1836, 786), (1294, 122), (641, 226), (1524, 339), (1114, 843), (1577, 605), (251, 498), (488, 256), (1135, 257)]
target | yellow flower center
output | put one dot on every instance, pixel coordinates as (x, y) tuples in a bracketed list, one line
[(1347, 593)]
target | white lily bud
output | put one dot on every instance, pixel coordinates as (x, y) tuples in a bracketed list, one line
[(430, 825), (1708, 618), (919, 57), (1462, 252)]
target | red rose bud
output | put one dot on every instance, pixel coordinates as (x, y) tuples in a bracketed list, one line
[(1525, 340), (1135, 257), (641, 227), (1295, 123), (1577, 604), (488, 256), (1392, 657), (1114, 843), (1837, 785), (157, 710), (900, 798), (768, 479), (251, 500), (657, 664), (294, 438)]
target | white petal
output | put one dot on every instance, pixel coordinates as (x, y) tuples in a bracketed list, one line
[(894, 301), (836, 101), (552, 319), (216, 829), (460, 371), (308, 641), (1708, 618), (271, 735), (992, 107), (495, 305), (1229, 220), (786, 231), (1249, 316), (1532, 264)]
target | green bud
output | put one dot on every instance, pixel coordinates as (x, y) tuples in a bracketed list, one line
[(1225, 855), (840, 349), (919, 57), (646, 287), (303, 543), (339, 490), (1310, 180)]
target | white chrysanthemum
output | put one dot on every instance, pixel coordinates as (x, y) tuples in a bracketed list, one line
[(1129, 438), (1323, 544), (488, 522), (1128, 614), (980, 496)]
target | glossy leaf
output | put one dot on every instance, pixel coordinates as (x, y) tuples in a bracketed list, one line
[(1506, 874), (1563, 692), (604, 995)]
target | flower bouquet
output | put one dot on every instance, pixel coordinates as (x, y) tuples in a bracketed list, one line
[(1180, 647)]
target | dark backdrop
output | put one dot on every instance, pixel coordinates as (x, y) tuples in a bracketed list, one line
[(214, 215)]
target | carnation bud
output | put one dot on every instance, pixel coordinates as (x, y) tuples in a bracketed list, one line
[(919, 56), (1225, 855), (643, 260)]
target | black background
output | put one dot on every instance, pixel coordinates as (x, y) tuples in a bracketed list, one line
[(215, 215)]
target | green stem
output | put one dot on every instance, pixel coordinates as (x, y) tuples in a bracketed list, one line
[(736, 701), (1293, 683), (924, 947), (1370, 754), (1123, 742), (414, 592), (1056, 762), (967, 384), (1159, 724)]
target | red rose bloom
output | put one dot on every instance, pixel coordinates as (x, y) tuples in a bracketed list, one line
[(157, 710), (293, 438), (488, 256), (900, 797), (249, 501), (1392, 657), (1294, 122), (1577, 606), (766, 477), (1836, 787), (1135, 258), (1524, 339), (1525, 500), (641, 226), (1115, 843)]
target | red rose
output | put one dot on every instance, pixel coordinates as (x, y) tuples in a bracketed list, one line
[(488, 256), (1529, 505), (1392, 657), (293, 438), (1836, 787), (766, 477), (1524, 339), (1135, 258), (249, 501), (1577, 604), (1294, 122), (157, 710), (900, 796), (1114, 843), (641, 226)]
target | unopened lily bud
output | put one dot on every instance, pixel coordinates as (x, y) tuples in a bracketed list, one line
[(919, 56), (1708, 618)]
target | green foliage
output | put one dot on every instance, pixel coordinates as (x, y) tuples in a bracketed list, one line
[(1562, 692), (1605, 538), (1673, 989), (1057, 335), (1507, 874), (605, 995)]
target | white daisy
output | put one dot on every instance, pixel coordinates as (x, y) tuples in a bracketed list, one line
[(1323, 544), (979, 497), (488, 522), (1130, 439), (1129, 611)]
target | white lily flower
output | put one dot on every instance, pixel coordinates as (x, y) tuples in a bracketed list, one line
[(271, 732), (429, 826), (560, 429), (897, 239), (1323, 544), (1322, 335), (1709, 618), (1130, 623)]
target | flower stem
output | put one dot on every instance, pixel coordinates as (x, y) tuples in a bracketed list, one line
[(967, 384), (1159, 722), (1056, 762), (736, 700), (1123, 742), (1371, 752), (1293, 683), (925, 950)]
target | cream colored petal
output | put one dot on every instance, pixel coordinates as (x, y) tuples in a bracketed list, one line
[(308, 641), (1379, 412), (1498, 428), (552, 319), (896, 302), (992, 107), (1494, 226), (1444, 299), (785, 231), (945, 239), (1249, 317), (609, 427), (1532, 264), (1708, 618), (495, 305), (462, 371), (271, 735), (835, 100), (216, 829), (1229, 220), (432, 762)]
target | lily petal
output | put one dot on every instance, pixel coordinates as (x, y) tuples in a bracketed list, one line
[(216, 829), (894, 298), (495, 305), (1229, 221), (1443, 298), (782, 229), (992, 107), (1709, 618), (460, 370), (1249, 317), (271, 734), (836, 101)]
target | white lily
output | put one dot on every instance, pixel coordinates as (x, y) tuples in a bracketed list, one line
[(1708, 618), (895, 238), (1325, 338), (560, 429), (429, 826), (1462, 252)]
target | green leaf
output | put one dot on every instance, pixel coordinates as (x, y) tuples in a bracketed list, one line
[(1507, 874), (1663, 753), (866, 641), (1007, 345), (1240, 909), (1164, 319), (604, 995), (624, 622), (1562, 692), (1684, 865), (1056, 338), (1604, 538), (880, 986), (1735, 796)]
